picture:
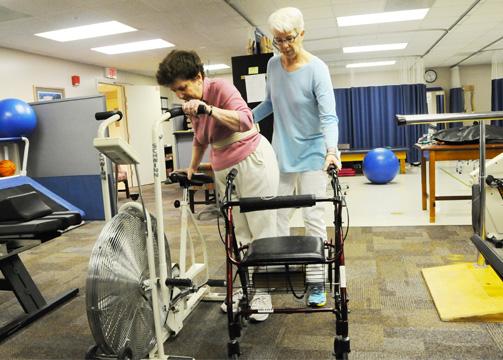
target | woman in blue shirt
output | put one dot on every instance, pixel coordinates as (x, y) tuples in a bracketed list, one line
[(305, 135)]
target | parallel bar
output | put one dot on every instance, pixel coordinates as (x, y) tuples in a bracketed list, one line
[(482, 180), (445, 118)]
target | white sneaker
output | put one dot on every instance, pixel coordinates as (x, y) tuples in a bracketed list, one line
[(263, 303), (236, 296)]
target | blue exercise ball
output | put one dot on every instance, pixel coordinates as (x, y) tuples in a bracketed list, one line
[(380, 165), (17, 118)]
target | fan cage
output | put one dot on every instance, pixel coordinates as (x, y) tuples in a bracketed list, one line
[(119, 308)]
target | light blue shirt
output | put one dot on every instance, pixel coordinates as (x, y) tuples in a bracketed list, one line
[(305, 120)]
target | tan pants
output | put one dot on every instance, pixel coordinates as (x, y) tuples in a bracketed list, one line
[(258, 175)]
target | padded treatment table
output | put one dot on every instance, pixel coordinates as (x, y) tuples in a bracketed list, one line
[(359, 154), (433, 153)]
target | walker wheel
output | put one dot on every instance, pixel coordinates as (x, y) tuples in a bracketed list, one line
[(91, 352), (125, 353), (343, 356)]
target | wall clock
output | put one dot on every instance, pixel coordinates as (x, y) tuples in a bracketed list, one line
[(430, 76)]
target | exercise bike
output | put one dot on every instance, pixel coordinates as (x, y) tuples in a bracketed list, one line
[(135, 298), (284, 264)]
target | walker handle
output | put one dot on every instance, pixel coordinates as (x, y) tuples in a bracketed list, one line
[(248, 204)]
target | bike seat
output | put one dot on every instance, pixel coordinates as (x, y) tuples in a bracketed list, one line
[(197, 179)]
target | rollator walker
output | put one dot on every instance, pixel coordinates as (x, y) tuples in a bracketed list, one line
[(284, 264), (135, 297)]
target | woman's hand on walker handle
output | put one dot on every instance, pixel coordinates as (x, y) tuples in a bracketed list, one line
[(333, 157)]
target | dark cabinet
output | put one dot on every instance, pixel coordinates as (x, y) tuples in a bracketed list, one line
[(251, 65), (168, 158)]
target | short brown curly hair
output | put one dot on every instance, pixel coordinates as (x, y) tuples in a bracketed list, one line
[(179, 64)]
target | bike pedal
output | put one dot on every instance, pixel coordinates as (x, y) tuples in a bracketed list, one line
[(177, 282)]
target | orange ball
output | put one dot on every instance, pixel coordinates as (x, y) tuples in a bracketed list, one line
[(7, 168)]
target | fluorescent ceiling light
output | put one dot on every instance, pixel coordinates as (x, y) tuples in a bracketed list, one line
[(374, 63), (384, 17), (133, 47), (369, 48), (216, 67), (87, 31)]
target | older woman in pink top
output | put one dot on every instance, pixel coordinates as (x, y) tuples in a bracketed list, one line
[(227, 127)]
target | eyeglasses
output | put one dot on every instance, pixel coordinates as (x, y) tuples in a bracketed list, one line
[(287, 40)]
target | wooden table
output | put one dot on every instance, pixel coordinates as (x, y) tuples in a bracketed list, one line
[(433, 153), (359, 154)]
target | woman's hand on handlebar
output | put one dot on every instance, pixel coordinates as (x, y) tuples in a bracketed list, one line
[(191, 107), (191, 171)]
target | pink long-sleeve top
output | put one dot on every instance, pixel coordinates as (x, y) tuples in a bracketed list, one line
[(224, 95)]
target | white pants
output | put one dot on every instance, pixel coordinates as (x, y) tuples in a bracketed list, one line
[(258, 175), (302, 183)]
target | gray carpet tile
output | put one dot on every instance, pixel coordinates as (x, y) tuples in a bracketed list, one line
[(392, 313)]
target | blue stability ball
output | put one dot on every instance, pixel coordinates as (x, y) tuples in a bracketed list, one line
[(380, 165), (17, 118)]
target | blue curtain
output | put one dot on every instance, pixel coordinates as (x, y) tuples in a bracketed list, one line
[(412, 101), (367, 116), (497, 98), (343, 107), (456, 103), (440, 99)]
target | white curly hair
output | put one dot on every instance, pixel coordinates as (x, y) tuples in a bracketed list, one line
[(286, 19)]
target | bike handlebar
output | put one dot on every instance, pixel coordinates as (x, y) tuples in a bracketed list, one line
[(196, 180), (103, 115), (178, 111)]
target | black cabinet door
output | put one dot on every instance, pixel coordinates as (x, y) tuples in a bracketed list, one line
[(240, 68)]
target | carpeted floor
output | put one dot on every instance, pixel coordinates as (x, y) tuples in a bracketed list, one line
[(392, 314)]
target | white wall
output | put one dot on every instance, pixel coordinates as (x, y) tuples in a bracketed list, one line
[(20, 71), (480, 77), (359, 78)]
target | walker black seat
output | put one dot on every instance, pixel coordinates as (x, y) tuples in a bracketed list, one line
[(284, 250)]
